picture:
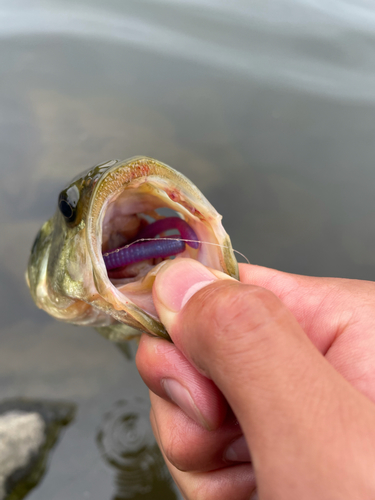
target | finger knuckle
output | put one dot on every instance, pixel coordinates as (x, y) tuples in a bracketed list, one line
[(176, 451)]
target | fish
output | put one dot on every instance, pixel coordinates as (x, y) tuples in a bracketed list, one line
[(95, 261)]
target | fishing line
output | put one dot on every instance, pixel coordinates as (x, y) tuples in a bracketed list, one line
[(181, 239)]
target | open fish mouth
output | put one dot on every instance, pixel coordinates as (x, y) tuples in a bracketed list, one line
[(114, 228)]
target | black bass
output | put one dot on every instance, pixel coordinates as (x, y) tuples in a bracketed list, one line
[(94, 262)]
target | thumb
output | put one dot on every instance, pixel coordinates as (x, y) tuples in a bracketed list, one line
[(281, 389)]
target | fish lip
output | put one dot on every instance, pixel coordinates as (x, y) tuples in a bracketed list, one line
[(171, 183), (94, 226), (132, 314)]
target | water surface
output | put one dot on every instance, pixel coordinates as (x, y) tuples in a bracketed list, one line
[(269, 107)]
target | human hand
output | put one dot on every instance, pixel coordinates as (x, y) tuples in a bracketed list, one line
[(306, 418)]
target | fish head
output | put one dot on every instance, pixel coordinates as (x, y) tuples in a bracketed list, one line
[(104, 209), (59, 273)]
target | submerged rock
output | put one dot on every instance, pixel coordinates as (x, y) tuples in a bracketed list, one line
[(28, 431)]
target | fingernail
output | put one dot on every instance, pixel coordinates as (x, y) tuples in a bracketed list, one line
[(179, 281), (238, 451), (182, 398)]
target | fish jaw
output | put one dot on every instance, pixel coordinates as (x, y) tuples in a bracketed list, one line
[(144, 184)]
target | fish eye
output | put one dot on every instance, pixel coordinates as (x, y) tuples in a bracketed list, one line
[(67, 210), (68, 200)]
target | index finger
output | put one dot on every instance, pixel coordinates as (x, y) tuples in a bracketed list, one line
[(323, 307)]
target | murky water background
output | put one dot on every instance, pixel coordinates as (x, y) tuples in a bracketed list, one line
[(269, 107)]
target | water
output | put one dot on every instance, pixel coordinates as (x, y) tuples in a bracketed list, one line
[(268, 107)]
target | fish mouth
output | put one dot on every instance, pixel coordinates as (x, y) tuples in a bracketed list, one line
[(129, 199)]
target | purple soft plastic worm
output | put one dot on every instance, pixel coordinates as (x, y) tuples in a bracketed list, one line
[(142, 251), (162, 225)]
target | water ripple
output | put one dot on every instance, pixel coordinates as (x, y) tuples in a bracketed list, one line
[(127, 444)]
